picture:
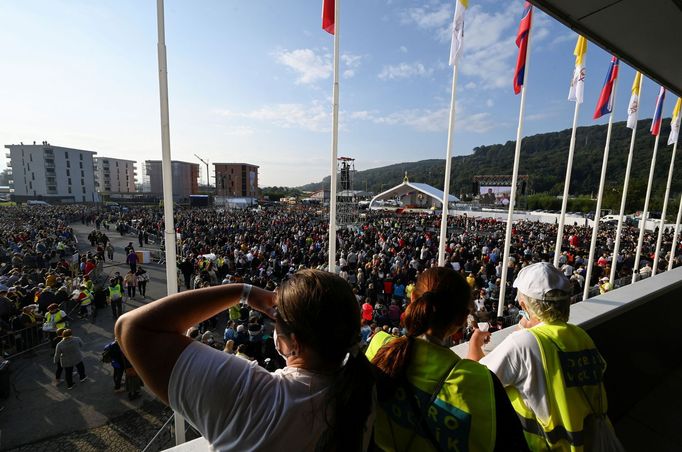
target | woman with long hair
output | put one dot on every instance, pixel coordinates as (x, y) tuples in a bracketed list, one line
[(430, 398), (321, 400)]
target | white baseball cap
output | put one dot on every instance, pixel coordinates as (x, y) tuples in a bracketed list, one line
[(537, 279)]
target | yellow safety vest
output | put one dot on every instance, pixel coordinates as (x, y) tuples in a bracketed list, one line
[(462, 417), (574, 372), (88, 297), (56, 319), (115, 292)]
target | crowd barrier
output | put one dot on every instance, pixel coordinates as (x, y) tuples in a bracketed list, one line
[(13, 343)]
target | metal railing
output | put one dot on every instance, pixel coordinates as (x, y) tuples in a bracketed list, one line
[(165, 437), (13, 343)]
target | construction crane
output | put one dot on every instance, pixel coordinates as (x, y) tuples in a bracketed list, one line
[(208, 177)]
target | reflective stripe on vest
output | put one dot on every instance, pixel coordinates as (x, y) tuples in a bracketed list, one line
[(573, 371), (461, 418)]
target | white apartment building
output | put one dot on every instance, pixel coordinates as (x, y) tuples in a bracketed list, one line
[(51, 173), (114, 175)]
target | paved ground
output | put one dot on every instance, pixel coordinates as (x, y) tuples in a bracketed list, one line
[(90, 416)]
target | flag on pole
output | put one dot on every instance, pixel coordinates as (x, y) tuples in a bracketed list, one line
[(658, 114), (633, 106), (328, 16), (522, 44), (458, 31), (605, 103), (675, 123), (575, 94)]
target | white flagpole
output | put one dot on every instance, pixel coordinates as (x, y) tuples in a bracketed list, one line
[(665, 210), (515, 178), (169, 225), (677, 230), (602, 182), (567, 183), (645, 212), (623, 200), (448, 168), (335, 143)]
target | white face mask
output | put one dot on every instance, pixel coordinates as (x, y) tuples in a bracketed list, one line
[(275, 338)]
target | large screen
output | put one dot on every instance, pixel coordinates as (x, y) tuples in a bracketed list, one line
[(495, 195)]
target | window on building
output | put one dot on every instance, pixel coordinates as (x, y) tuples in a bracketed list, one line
[(82, 173), (68, 173), (83, 183), (81, 165), (69, 190), (69, 181), (81, 156), (30, 185), (83, 190), (66, 155), (28, 167), (68, 164), (30, 157), (33, 176)]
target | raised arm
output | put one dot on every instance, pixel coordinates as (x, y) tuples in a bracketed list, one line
[(153, 336)]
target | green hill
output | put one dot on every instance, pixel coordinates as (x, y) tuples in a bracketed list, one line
[(543, 159)]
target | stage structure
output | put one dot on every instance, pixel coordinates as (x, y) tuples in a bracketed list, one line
[(495, 190), (347, 214)]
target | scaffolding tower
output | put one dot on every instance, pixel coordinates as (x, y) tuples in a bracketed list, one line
[(347, 215)]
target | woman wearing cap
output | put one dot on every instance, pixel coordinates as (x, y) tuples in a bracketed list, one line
[(320, 401), (429, 398), (552, 370)]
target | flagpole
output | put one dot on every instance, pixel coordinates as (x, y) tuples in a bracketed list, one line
[(335, 143), (602, 182), (567, 183), (515, 178), (167, 175), (623, 200), (645, 212), (664, 210), (448, 169), (677, 230)]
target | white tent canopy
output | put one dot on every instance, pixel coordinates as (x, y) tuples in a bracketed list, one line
[(414, 194)]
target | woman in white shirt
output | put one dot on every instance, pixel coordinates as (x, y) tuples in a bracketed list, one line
[(322, 400)]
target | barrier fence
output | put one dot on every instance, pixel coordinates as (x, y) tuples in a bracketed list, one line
[(16, 342)]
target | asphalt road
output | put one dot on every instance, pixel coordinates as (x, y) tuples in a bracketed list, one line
[(90, 416)]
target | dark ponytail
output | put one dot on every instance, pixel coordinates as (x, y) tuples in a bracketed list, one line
[(442, 304)]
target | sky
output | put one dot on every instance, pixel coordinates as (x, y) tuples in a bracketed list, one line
[(251, 81)]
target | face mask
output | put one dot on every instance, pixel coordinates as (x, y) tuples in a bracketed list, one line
[(284, 356)]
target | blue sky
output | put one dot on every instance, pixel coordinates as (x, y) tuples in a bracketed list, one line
[(250, 81)]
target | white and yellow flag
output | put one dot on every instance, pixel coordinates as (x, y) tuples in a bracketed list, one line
[(575, 94), (633, 106), (675, 123), (458, 31)]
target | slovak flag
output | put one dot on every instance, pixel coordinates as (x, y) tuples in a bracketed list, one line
[(605, 103), (328, 19), (522, 44), (658, 114)]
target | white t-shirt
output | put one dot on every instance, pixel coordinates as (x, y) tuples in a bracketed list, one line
[(238, 405), (517, 362)]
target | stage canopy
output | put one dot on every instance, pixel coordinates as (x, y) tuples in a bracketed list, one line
[(413, 195)]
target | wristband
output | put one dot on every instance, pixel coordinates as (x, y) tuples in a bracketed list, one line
[(246, 291)]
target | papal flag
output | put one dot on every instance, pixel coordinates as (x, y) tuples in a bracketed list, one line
[(458, 31), (575, 94), (633, 106), (675, 123)]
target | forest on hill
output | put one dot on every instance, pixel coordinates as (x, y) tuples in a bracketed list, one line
[(543, 159)]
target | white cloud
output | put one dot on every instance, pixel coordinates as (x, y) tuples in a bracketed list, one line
[(428, 17), (308, 65), (429, 120), (403, 49), (314, 116), (404, 70), (489, 103), (351, 63)]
